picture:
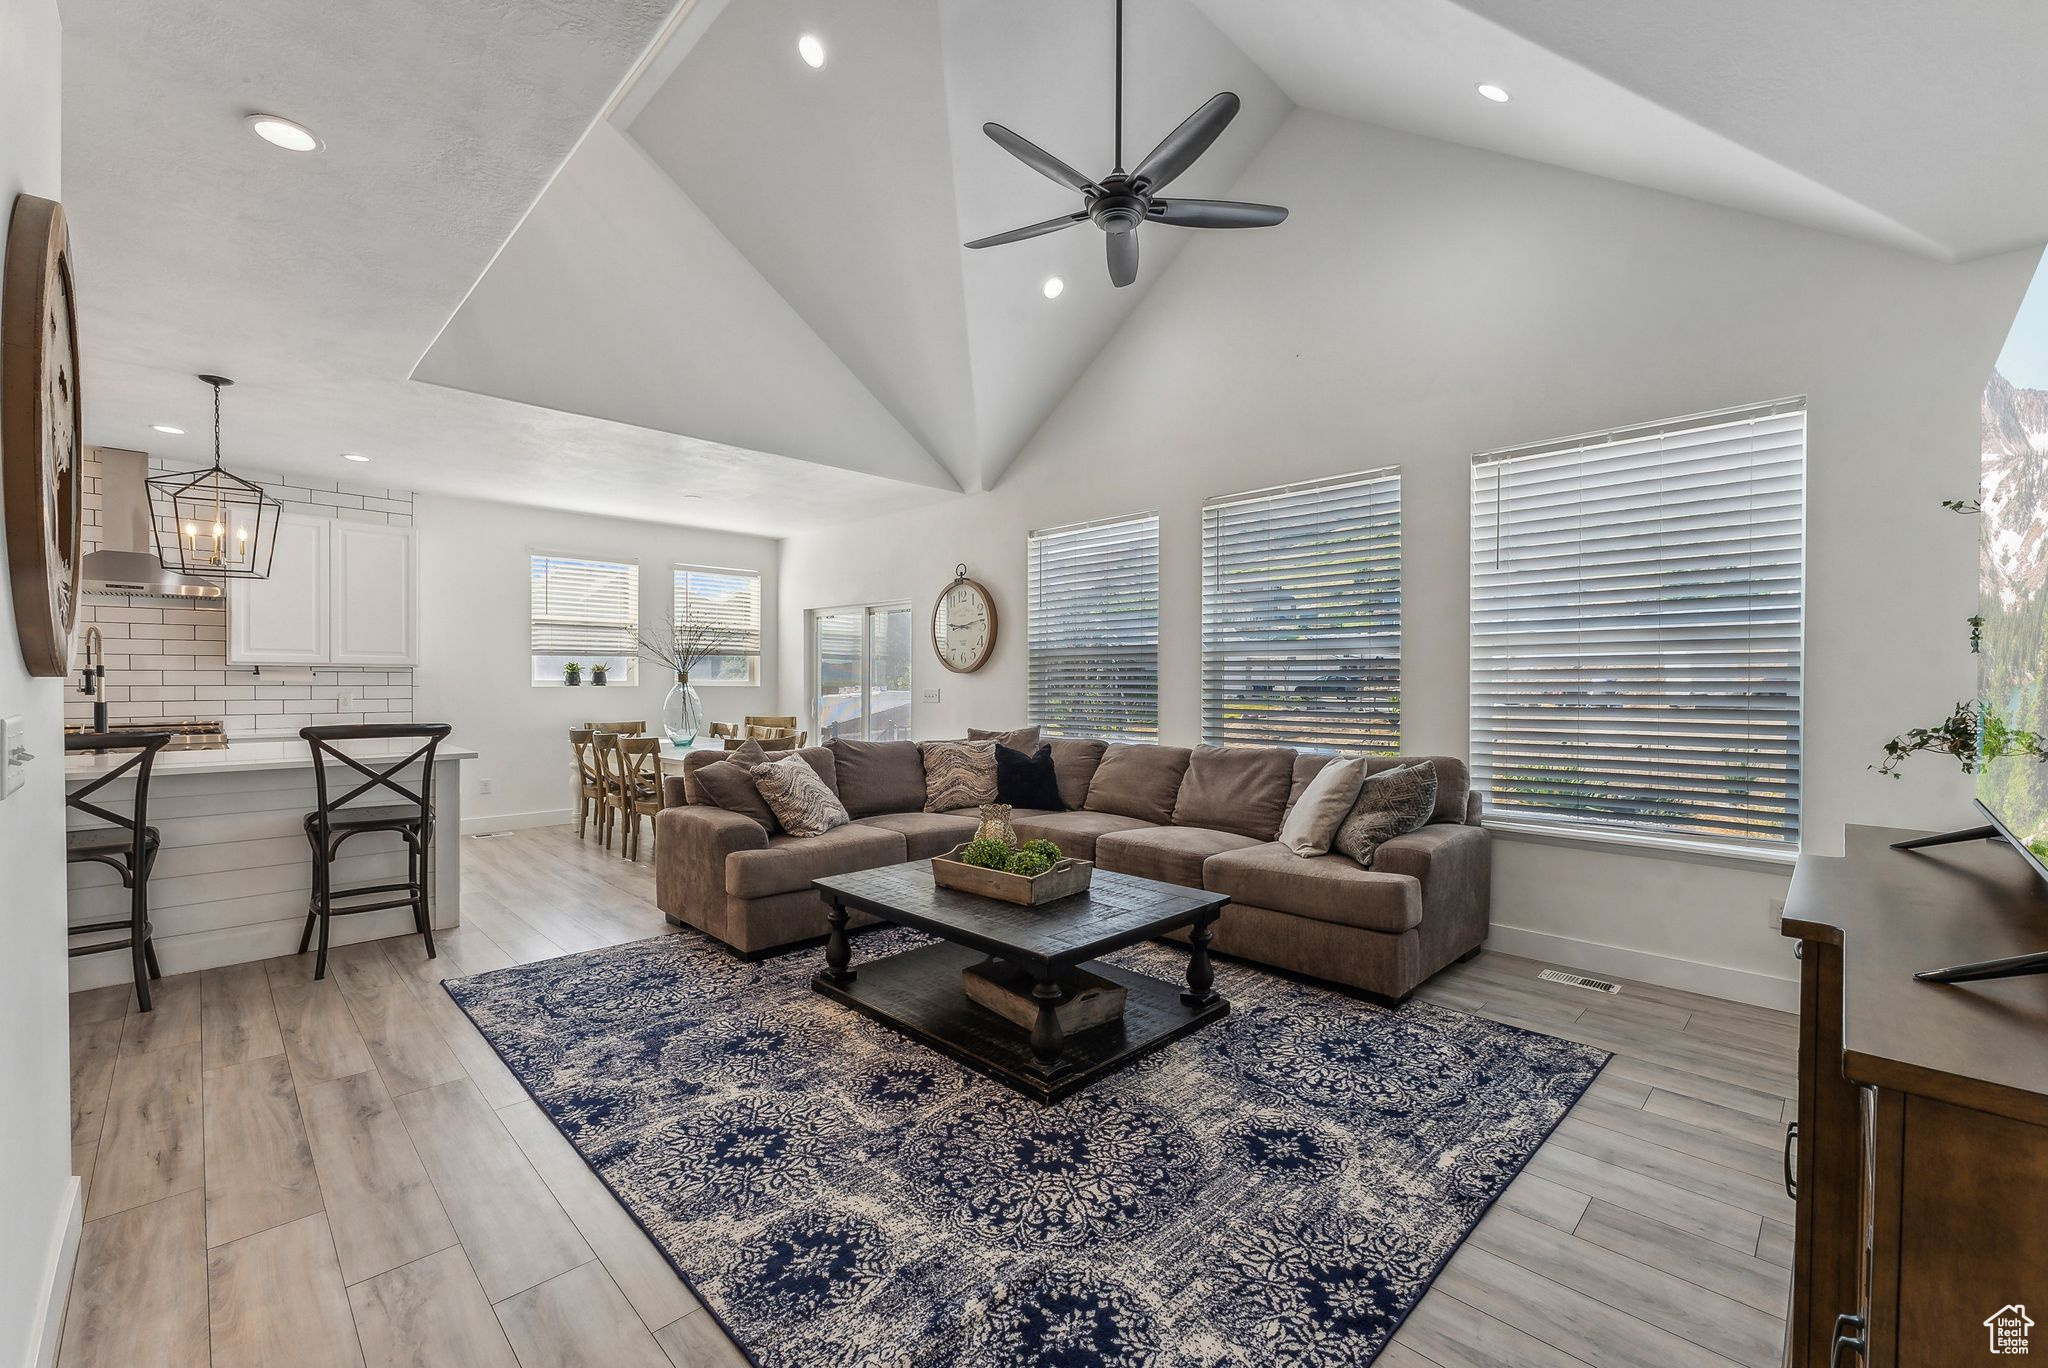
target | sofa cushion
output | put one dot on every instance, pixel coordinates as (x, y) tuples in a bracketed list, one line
[(1074, 762), (1453, 781), (1027, 780), (729, 784), (1074, 833), (878, 776), (1138, 781), (1390, 803), (1169, 854), (1312, 820), (1326, 888), (1307, 766), (819, 758), (790, 862), (1017, 738), (958, 774), (926, 834), (801, 802), (1242, 789)]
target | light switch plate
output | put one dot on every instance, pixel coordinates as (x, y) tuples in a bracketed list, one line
[(14, 756), (931, 695)]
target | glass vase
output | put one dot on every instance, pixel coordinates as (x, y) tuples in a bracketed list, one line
[(682, 712), (995, 825)]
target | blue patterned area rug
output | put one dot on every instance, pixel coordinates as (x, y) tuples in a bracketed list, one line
[(1280, 1187)]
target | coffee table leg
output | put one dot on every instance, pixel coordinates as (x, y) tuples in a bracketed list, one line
[(838, 954), (1201, 974), (1048, 1039)]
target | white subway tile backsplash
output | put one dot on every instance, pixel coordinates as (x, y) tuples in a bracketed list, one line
[(167, 662)]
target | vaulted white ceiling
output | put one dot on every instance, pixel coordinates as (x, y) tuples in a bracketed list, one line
[(633, 257)]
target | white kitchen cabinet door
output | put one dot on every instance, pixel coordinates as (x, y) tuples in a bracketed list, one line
[(374, 591), (284, 620)]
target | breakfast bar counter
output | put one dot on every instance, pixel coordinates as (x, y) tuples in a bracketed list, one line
[(234, 875)]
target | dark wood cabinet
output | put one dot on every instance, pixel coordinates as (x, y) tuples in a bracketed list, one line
[(1920, 1159)]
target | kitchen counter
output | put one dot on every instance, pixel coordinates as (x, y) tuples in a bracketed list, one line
[(234, 872), (245, 754)]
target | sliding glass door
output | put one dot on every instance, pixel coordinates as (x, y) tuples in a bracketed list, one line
[(861, 672)]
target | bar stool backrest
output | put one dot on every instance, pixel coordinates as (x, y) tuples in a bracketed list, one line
[(380, 773), (145, 745)]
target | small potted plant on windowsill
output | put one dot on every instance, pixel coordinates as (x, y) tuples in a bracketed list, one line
[(598, 674), (572, 674)]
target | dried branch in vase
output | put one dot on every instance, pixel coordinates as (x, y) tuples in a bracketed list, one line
[(690, 641)]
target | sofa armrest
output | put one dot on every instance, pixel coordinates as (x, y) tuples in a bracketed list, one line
[(690, 845), (1475, 807), (673, 791), (1453, 863)]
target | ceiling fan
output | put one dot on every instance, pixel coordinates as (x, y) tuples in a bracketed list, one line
[(1121, 200)]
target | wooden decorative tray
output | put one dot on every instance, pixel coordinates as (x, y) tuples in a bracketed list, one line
[(1066, 878)]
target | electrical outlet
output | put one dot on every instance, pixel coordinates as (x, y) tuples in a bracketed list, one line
[(931, 695), (486, 785)]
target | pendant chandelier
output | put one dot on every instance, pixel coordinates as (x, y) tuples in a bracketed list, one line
[(214, 522)]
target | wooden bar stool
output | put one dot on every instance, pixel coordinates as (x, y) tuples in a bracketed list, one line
[(589, 783), (128, 845), (639, 787), (335, 821)]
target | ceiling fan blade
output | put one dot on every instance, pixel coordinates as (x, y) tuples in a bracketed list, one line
[(1123, 258), (1178, 150), (1203, 213), (1040, 160), (1035, 230)]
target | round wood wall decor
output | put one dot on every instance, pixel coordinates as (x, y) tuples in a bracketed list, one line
[(964, 624), (39, 432)]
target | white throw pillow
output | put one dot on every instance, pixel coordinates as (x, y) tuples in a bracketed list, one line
[(1313, 820)]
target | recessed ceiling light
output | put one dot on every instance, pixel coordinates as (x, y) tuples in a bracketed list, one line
[(812, 49), (1053, 286), (166, 427), (1494, 93), (354, 456), (292, 137)]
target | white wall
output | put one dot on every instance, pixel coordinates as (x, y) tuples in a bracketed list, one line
[(475, 666), (1427, 301), (38, 1199)]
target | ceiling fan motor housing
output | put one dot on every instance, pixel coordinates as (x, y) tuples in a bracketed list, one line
[(1118, 209)]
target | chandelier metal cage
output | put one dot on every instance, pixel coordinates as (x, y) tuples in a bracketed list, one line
[(212, 521)]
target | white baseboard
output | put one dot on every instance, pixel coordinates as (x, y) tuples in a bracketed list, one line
[(1668, 971), (57, 1280), (516, 821)]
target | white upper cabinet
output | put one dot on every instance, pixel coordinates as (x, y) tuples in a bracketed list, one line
[(339, 593), (374, 590), (282, 620)]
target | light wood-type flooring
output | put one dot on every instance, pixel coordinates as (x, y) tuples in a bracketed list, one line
[(342, 1173)]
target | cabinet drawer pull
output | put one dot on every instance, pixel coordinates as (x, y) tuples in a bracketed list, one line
[(1791, 1139), (1858, 1342)]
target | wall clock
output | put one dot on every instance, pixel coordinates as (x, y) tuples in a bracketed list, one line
[(964, 624), (39, 431)]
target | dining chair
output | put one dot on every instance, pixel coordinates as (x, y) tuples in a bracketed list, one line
[(337, 820), (604, 748), (639, 788), (619, 728), (589, 783), (127, 845)]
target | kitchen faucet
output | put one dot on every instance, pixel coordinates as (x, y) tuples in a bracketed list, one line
[(94, 684)]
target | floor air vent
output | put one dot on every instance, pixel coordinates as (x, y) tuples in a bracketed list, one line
[(1580, 981)]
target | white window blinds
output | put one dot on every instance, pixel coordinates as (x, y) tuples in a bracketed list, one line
[(1301, 615), (729, 600), (1094, 631), (585, 608), (1636, 608)]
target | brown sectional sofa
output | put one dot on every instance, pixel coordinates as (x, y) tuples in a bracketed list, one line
[(1205, 818)]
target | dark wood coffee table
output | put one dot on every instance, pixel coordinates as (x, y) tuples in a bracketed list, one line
[(919, 992)]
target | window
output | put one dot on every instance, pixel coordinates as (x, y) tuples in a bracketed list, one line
[(862, 672), (1636, 606), (1094, 633), (732, 600), (586, 612), (1301, 615)]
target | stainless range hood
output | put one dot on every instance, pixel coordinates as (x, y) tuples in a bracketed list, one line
[(126, 565)]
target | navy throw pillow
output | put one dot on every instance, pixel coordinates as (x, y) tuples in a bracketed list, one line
[(1027, 781)]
